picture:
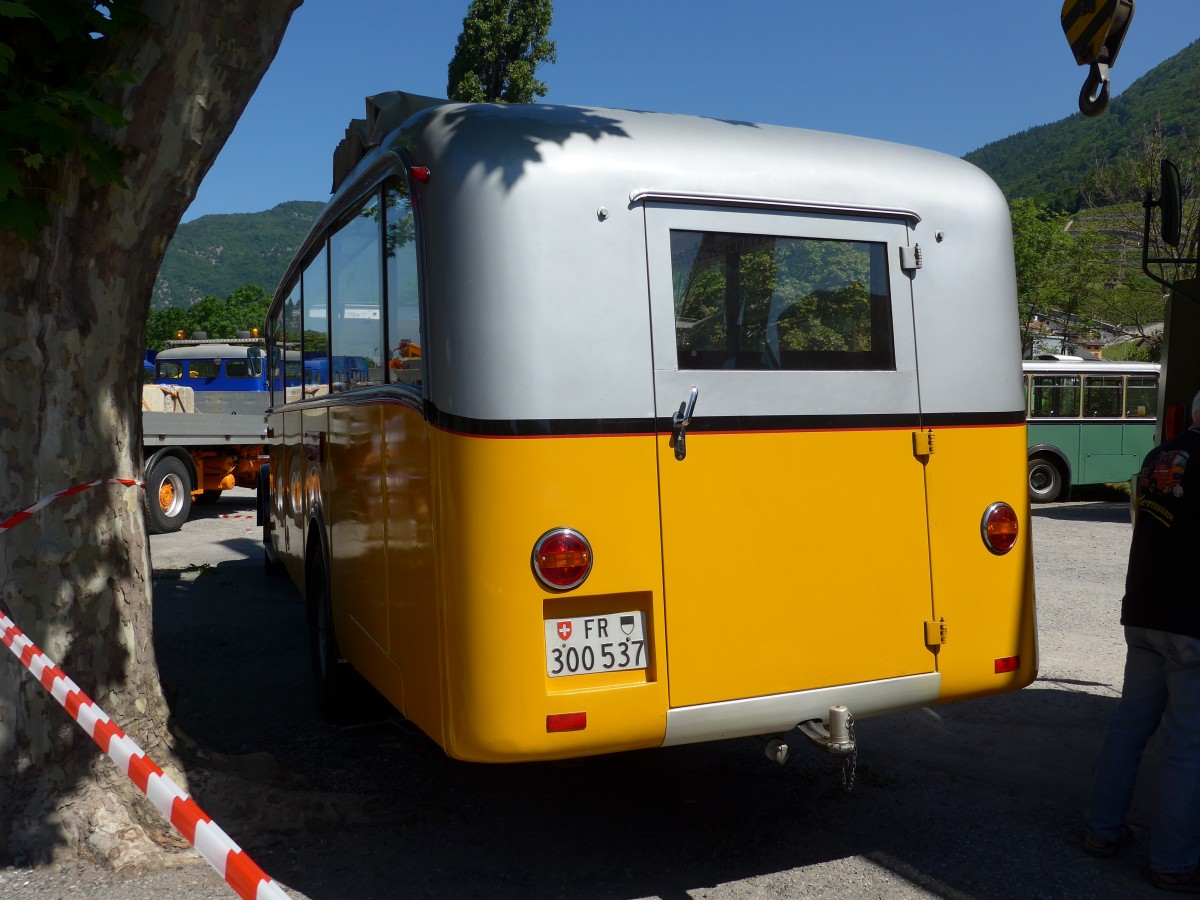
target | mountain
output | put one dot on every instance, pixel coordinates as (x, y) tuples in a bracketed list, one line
[(1047, 163), (215, 255)]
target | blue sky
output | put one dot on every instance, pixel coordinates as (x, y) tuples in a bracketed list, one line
[(951, 75)]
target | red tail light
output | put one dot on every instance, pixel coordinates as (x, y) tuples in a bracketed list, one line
[(999, 528), (562, 559)]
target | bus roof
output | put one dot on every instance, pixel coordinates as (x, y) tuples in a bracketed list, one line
[(679, 155), (1090, 366)]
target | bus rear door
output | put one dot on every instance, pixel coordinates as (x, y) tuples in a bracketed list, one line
[(795, 540)]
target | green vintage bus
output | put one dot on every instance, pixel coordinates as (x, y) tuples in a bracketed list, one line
[(1089, 422)]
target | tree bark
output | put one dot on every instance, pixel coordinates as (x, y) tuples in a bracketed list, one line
[(76, 577)]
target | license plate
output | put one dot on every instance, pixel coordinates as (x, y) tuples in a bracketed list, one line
[(586, 644)]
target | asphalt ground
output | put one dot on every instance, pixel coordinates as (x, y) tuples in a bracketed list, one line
[(977, 799)]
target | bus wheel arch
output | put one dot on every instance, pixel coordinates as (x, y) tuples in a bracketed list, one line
[(1049, 478), (272, 565), (332, 675)]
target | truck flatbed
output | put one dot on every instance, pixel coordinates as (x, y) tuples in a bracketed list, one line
[(201, 429)]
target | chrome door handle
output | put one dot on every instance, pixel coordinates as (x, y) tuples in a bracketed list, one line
[(680, 421)]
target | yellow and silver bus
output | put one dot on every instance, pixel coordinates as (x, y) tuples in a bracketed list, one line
[(665, 430)]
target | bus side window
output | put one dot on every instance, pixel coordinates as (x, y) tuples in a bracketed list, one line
[(316, 325), (356, 301), (403, 290), (1102, 396), (275, 355), (1141, 397), (1055, 397), (292, 375)]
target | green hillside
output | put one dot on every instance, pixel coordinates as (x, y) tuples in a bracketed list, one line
[(1048, 163), (215, 255)]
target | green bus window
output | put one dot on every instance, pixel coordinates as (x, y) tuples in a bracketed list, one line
[(1102, 396), (1141, 397), (1055, 397)]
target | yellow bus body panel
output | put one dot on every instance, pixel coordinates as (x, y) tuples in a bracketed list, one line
[(794, 560), (493, 498), (987, 601)]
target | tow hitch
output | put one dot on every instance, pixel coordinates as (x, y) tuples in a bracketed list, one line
[(836, 738)]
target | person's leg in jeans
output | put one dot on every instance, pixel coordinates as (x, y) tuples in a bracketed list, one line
[(1143, 699), (1174, 845)]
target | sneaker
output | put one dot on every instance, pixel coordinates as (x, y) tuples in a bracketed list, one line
[(1094, 846), (1180, 882)]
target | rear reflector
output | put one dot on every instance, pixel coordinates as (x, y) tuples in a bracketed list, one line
[(1008, 664), (576, 721)]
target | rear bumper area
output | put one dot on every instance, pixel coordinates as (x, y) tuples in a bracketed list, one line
[(782, 712)]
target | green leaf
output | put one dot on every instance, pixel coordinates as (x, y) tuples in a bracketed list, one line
[(10, 182), (11, 10), (25, 217)]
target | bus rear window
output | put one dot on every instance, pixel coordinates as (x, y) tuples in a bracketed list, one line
[(757, 301)]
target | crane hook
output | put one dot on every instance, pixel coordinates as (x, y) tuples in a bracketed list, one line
[(1095, 30)]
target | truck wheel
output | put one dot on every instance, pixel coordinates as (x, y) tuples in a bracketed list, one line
[(168, 497), (208, 497), (1045, 481), (332, 675)]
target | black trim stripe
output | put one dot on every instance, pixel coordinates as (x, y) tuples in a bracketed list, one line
[(539, 427), (715, 424), (611, 427), (968, 419)]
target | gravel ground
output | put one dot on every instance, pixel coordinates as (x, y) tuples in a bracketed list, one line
[(977, 799)]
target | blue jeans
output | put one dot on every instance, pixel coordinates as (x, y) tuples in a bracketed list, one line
[(1162, 681)]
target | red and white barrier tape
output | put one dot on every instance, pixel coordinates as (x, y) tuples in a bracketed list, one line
[(35, 508), (219, 850)]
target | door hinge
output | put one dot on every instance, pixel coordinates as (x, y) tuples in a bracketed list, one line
[(910, 258), (936, 633), (922, 443)]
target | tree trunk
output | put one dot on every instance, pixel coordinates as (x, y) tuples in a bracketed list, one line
[(76, 577)]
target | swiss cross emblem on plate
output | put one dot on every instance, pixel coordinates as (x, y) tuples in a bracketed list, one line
[(564, 630)]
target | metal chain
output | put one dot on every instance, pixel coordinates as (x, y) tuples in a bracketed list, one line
[(850, 763)]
